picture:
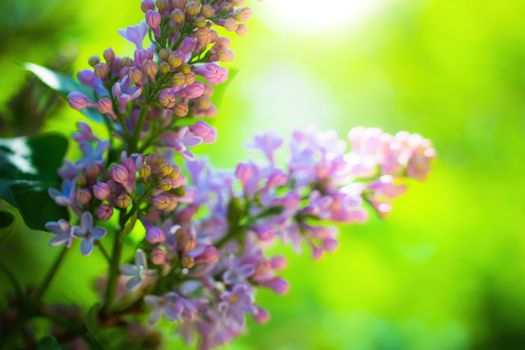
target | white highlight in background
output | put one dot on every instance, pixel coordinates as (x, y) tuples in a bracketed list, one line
[(319, 15)]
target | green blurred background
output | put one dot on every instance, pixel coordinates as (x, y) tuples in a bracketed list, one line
[(446, 270)]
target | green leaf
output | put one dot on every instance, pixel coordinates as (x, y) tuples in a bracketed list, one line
[(6, 220), (28, 168), (48, 343), (92, 318), (64, 85)]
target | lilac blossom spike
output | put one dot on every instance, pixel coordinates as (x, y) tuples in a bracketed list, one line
[(203, 230)]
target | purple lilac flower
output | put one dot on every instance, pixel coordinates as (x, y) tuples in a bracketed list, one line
[(137, 272), (135, 34), (181, 141), (266, 143), (62, 231), (89, 233), (237, 302)]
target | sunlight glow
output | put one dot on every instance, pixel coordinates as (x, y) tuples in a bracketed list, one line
[(320, 16)]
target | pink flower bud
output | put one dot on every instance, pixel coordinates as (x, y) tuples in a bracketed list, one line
[(209, 256), (167, 98), (83, 196), (245, 172), (278, 262), (181, 109), (119, 173), (102, 191), (109, 55), (105, 106), (155, 235), (151, 69), (242, 29), (158, 257), (261, 316), (104, 212), (278, 285), (330, 244), (204, 131), (153, 19), (79, 101), (213, 73), (264, 233), (147, 5), (229, 24), (194, 90)]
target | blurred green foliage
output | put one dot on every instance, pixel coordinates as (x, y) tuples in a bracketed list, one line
[(445, 270)]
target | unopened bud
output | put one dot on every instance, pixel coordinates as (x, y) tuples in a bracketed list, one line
[(102, 70), (109, 55), (178, 79), (192, 9), (243, 15), (165, 169), (126, 62), (185, 68), (187, 262), (177, 16), (185, 241), (105, 106), (79, 101), (189, 78), (93, 61), (119, 173), (242, 30), (164, 67), (102, 191), (145, 172), (135, 76), (147, 5), (181, 109), (83, 196), (155, 235), (179, 4), (164, 54), (151, 69), (104, 212), (174, 61), (200, 22), (229, 24), (165, 185), (162, 202), (222, 43), (207, 11), (163, 5), (123, 201)]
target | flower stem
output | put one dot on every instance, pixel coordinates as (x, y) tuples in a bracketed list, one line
[(134, 142), (114, 265), (51, 274)]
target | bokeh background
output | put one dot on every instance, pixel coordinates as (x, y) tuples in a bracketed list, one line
[(446, 270)]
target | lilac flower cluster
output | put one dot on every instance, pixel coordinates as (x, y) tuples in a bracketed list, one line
[(202, 256)]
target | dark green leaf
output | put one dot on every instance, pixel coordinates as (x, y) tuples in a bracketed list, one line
[(64, 85), (6, 220), (48, 343), (92, 318), (28, 168)]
